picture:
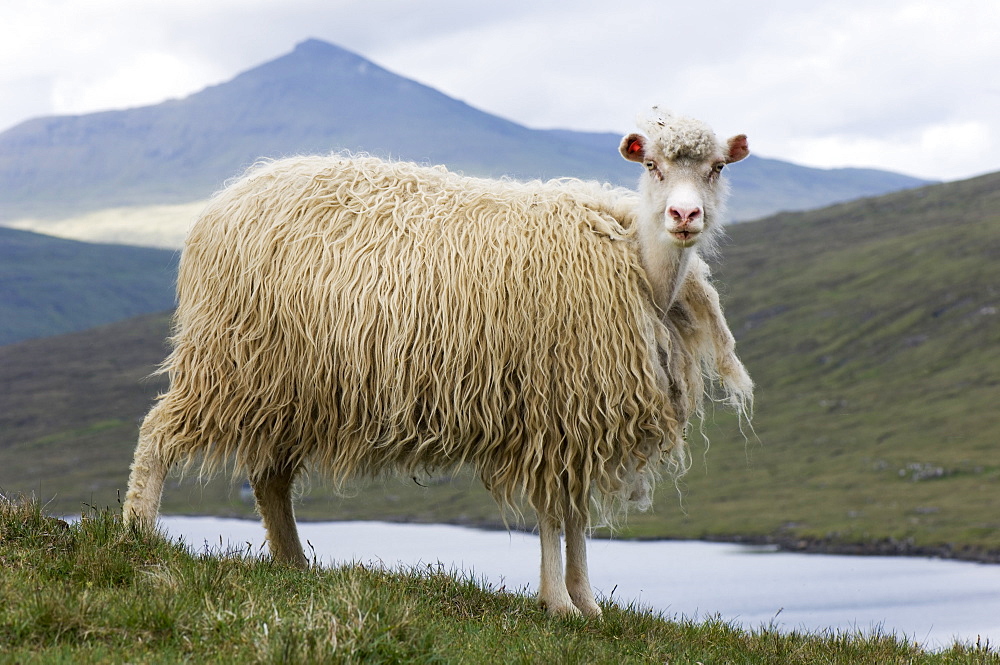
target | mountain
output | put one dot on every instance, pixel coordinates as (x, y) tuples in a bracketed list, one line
[(53, 286), (321, 98), (872, 330)]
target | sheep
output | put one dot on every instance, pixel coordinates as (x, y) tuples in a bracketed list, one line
[(360, 317)]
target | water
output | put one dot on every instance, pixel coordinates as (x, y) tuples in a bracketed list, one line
[(929, 601)]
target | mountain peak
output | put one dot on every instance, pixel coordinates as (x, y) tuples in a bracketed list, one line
[(315, 48), (315, 62), (317, 53)]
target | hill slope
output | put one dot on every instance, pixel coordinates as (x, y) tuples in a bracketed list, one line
[(96, 592), (321, 98), (53, 286), (871, 328)]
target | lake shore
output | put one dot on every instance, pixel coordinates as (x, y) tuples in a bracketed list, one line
[(784, 543), (883, 547)]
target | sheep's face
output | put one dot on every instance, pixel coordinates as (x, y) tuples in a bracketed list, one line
[(682, 190)]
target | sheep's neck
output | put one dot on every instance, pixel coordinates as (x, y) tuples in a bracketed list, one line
[(666, 266)]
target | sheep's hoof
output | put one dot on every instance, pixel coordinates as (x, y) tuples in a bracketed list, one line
[(562, 608), (592, 610), (569, 609)]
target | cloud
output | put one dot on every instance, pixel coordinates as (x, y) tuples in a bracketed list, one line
[(951, 148), (900, 84), (146, 79)]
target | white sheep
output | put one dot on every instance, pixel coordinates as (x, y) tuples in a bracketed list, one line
[(361, 317)]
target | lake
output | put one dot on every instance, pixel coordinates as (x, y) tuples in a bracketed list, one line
[(929, 601)]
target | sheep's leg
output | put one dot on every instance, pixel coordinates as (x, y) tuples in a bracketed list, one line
[(145, 482), (273, 492), (577, 576), (552, 593)]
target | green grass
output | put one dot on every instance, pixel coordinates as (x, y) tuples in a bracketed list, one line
[(94, 591)]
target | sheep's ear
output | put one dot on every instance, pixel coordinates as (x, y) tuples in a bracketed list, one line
[(633, 148), (738, 148)]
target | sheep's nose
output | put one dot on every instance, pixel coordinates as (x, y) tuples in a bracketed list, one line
[(684, 215)]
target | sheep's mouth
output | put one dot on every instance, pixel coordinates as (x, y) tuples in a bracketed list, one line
[(685, 236)]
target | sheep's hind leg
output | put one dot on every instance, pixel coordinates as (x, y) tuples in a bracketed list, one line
[(577, 575), (273, 492), (145, 482), (552, 593)]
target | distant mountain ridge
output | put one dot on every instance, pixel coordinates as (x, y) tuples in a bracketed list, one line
[(321, 98)]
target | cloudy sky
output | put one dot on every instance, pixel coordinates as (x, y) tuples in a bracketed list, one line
[(906, 85)]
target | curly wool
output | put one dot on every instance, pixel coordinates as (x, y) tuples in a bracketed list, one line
[(364, 317), (679, 137)]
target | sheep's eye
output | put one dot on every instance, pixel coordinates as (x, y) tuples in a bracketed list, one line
[(650, 165), (718, 167)]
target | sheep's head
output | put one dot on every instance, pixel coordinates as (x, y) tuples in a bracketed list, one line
[(683, 191)]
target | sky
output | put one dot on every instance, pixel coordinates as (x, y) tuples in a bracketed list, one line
[(911, 86)]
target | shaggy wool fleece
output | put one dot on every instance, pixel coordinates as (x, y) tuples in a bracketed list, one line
[(357, 317)]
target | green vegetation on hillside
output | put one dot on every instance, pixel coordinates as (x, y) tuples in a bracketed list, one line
[(871, 328), (50, 286), (97, 592)]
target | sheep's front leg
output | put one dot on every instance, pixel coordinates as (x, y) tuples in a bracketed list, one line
[(552, 593), (577, 575), (273, 492)]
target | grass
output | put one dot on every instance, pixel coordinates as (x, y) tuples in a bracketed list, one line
[(94, 591)]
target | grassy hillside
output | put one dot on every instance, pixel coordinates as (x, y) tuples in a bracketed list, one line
[(50, 286), (871, 328), (95, 592)]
